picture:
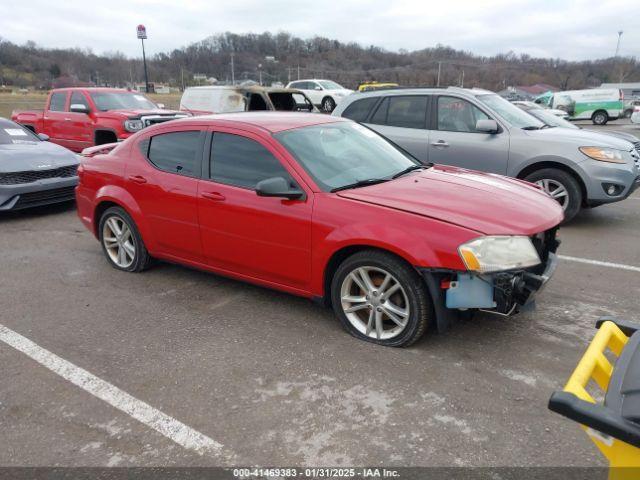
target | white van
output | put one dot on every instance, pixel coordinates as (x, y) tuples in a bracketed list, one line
[(229, 99), (596, 104)]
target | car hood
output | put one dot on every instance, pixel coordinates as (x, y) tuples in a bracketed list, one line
[(486, 203), (131, 113), (34, 156), (581, 138)]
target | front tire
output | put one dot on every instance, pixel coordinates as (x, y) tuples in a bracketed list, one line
[(328, 104), (600, 117), (562, 187), (381, 299), (121, 242)]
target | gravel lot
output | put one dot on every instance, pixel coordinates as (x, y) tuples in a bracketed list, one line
[(274, 378)]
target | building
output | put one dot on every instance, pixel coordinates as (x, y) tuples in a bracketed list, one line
[(630, 89)]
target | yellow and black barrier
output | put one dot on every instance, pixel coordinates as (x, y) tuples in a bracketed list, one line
[(612, 361)]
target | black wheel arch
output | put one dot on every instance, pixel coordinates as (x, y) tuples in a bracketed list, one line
[(529, 169), (104, 132)]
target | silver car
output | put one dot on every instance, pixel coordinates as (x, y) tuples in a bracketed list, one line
[(33, 171), (480, 130)]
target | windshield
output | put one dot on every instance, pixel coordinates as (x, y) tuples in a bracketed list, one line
[(121, 101), (551, 119), (14, 134), (509, 112), (329, 85), (343, 153)]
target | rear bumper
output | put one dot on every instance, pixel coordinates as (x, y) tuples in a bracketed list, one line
[(43, 192)]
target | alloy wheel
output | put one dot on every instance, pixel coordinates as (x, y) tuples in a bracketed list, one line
[(118, 242), (556, 190), (375, 302)]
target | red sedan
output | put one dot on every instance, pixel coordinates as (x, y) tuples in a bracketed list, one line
[(324, 208)]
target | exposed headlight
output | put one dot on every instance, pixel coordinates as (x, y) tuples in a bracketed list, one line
[(133, 125), (497, 253), (603, 154)]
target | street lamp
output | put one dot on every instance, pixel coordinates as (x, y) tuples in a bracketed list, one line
[(142, 34)]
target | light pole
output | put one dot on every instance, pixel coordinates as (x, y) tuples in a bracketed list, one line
[(618, 45), (142, 34)]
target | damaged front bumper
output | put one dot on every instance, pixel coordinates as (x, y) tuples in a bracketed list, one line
[(502, 293)]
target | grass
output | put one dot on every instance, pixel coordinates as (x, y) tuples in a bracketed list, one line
[(34, 101)]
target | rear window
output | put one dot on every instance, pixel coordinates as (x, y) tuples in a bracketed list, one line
[(176, 152), (57, 102), (359, 110), (408, 111), (11, 133)]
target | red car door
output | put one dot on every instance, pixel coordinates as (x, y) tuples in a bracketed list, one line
[(263, 238), (162, 176), (54, 118), (79, 132)]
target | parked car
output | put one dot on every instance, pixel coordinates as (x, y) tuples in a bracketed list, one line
[(33, 171), (527, 105), (629, 106), (554, 121), (368, 86), (596, 104), (635, 116), (325, 94), (78, 118), (228, 99), (324, 208), (480, 130)]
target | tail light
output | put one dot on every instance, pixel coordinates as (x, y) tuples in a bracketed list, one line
[(621, 95)]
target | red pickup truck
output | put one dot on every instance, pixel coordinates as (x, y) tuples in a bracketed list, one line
[(78, 118)]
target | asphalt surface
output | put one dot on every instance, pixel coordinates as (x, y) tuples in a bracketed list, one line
[(274, 378)]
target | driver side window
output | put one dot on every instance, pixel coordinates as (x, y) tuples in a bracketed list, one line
[(242, 162), (458, 115)]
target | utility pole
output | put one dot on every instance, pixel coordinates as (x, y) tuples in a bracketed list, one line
[(298, 71), (142, 34), (233, 73), (462, 82), (182, 77), (618, 45), (439, 68), (260, 73)]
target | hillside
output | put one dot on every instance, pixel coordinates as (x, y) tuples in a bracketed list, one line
[(279, 57)]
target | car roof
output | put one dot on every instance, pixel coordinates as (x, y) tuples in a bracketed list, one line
[(272, 122), (420, 90), (249, 88)]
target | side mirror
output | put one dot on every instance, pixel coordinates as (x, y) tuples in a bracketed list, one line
[(317, 87), (44, 137), (78, 108), (487, 126), (160, 105), (277, 187)]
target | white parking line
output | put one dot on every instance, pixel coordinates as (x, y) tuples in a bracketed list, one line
[(620, 266), (168, 426)]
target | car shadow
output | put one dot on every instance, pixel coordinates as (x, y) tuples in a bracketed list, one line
[(37, 212)]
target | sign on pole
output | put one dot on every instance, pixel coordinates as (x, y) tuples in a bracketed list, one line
[(142, 32)]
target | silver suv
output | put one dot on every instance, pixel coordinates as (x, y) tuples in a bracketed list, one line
[(480, 130)]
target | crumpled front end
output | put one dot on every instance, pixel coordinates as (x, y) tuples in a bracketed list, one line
[(504, 293)]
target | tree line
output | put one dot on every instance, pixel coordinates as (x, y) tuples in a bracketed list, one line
[(282, 57)]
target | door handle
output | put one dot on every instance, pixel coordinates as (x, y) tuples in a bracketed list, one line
[(67, 119), (137, 179), (439, 143), (215, 196)]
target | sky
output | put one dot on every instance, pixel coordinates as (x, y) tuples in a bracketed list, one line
[(572, 30)]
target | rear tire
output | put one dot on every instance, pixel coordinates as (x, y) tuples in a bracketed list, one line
[(561, 184), (121, 241), (381, 299), (328, 104), (600, 117)]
